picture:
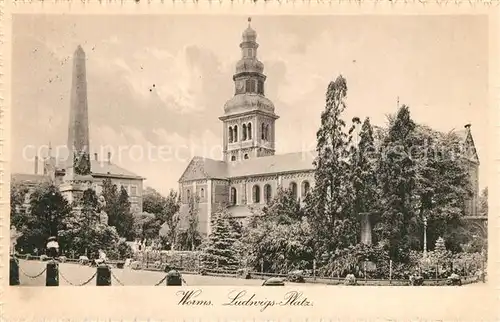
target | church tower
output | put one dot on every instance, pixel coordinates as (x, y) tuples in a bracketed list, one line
[(249, 118)]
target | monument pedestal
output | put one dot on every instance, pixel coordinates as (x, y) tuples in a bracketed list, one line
[(72, 188)]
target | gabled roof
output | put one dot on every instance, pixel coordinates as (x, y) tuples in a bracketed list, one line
[(28, 178), (204, 168), (105, 168)]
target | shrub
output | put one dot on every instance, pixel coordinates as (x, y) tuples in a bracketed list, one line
[(44, 258), (296, 276), (350, 279), (416, 280), (454, 279)]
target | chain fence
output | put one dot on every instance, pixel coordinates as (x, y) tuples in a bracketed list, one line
[(306, 276)]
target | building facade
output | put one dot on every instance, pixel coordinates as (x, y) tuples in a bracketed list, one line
[(250, 173)]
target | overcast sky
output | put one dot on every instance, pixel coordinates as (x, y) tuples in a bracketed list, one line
[(162, 81)]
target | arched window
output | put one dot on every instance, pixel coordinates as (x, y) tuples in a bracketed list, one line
[(246, 156), (233, 158), (267, 132), (244, 132), (293, 187), (235, 135), (256, 194), (249, 129), (305, 188), (230, 134), (267, 193), (202, 193), (263, 131), (233, 196)]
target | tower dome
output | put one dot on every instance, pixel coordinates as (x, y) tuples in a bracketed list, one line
[(249, 35)]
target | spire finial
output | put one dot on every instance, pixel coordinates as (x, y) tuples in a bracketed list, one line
[(398, 101), (249, 21)]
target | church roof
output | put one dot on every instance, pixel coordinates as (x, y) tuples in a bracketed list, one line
[(278, 163)]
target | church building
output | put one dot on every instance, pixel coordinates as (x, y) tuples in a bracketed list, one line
[(250, 172)]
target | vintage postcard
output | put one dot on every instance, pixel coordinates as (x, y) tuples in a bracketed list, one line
[(173, 161)]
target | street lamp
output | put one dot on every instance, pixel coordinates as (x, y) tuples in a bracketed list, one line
[(425, 236)]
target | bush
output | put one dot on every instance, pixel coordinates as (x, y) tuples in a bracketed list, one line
[(44, 258), (416, 280), (350, 279), (296, 277), (454, 279)]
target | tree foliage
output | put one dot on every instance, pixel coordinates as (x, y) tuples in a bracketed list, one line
[(221, 248), (330, 206)]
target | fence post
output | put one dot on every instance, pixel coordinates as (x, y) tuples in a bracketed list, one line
[(314, 269), (437, 271), (103, 275), (390, 271), (262, 265), (52, 273), (14, 272), (364, 270), (181, 263)]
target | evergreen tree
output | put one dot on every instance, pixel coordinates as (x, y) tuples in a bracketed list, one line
[(219, 251), (124, 224), (364, 174), (329, 204), (397, 177)]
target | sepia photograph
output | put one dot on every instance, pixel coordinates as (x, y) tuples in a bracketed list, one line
[(249, 150)]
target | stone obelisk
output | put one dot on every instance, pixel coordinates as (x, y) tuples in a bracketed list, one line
[(78, 173)]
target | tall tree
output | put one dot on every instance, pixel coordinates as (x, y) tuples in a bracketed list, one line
[(165, 210), (397, 176), (193, 238), (220, 250), (48, 208), (364, 174), (124, 224), (329, 206)]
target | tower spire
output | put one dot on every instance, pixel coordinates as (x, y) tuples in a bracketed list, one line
[(397, 102)]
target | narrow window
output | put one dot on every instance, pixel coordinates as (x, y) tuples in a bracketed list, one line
[(260, 87), (230, 134), (244, 132), (202, 193), (233, 158), (235, 136), (248, 85), (249, 129), (263, 131), (256, 194), (267, 193), (188, 195), (233, 196), (246, 156), (305, 188), (293, 188)]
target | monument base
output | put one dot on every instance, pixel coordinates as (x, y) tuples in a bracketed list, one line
[(72, 188)]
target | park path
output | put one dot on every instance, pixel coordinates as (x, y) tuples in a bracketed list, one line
[(78, 274)]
